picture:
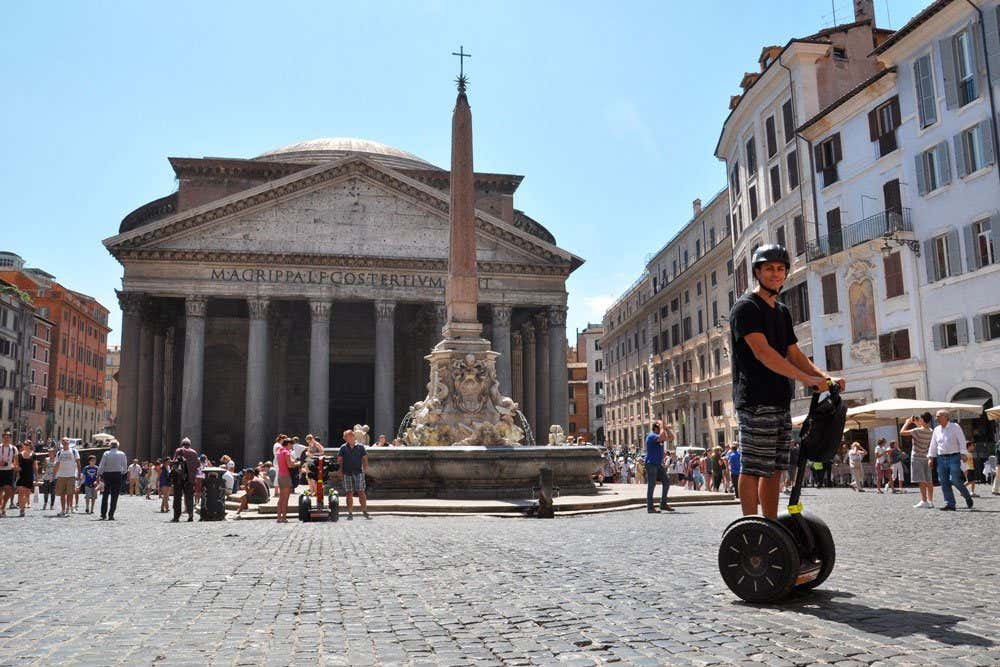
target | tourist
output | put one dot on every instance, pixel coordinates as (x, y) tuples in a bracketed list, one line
[(381, 442), (717, 465), (944, 453), (66, 473), (286, 463), (275, 448), (314, 449), (90, 476), (883, 468), (896, 466), (271, 473), (695, 476), (352, 460), (733, 459), (229, 479), (134, 470), (655, 472), (163, 485), (255, 490), (112, 470), (8, 463), (969, 468), (996, 475), (199, 479), (298, 449), (919, 430), (855, 458), (27, 471), (48, 480), (765, 356), (151, 477), (185, 469)]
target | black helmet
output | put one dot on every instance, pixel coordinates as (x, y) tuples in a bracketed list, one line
[(772, 252)]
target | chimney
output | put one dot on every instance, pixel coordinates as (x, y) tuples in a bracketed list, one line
[(864, 10), (697, 207)]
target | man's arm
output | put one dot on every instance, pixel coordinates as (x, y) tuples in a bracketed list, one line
[(340, 465), (768, 356), (364, 464), (802, 362)]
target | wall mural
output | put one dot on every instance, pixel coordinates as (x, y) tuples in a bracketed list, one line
[(862, 300)]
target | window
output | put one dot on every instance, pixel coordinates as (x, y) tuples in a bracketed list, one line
[(828, 154), (793, 170), (923, 76), (979, 244), (797, 300), (751, 158), (933, 168), (697, 248), (675, 335), (715, 313), (788, 122), (893, 268), (775, 183), (686, 325), (701, 323), (717, 360), (711, 233), (598, 365), (779, 236), (834, 358), (882, 124), (598, 412), (799, 229), (772, 137), (950, 334), (829, 283), (687, 297), (987, 327), (752, 195), (599, 388), (973, 149), (906, 392), (697, 288), (894, 346), (713, 280), (943, 256), (734, 180), (965, 67), (717, 408)]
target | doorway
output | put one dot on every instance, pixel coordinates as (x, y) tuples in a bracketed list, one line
[(352, 396)]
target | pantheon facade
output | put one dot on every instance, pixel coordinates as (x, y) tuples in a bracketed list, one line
[(299, 292)]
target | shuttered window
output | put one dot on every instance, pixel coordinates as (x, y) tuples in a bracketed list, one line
[(943, 256), (752, 196), (827, 154), (775, 183), (987, 326), (786, 117), (779, 236), (793, 170), (829, 284), (923, 76), (974, 148), (751, 158), (799, 229), (772, 137), (882, 123), (979, 243), (893, 267), (834, 357), (950, 334), (894, 346), (933, 168)]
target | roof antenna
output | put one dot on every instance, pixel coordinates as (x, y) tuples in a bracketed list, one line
[(833, 6), (888, 19)]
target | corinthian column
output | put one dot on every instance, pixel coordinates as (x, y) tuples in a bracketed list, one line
[(501, 344), (255, 407), (558, 372), (528, 331), (128, 375), (319, 370), (167, 435), (517, 369), (159, 381), (194, 369), (542, 397), (385, 368), (144, 406)]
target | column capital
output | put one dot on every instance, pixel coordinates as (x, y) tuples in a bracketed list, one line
[(320, 310), (541, 323), (195, 306), (131, 303), (515, 338), (501, 315), (257, 307), (384, 310), (557, 316)]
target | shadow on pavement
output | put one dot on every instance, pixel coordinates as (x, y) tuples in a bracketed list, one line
[(894, 623)]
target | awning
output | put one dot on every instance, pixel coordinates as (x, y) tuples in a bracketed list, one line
[(993, 413)]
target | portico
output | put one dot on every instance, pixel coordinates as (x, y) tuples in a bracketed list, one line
[(307, 303)]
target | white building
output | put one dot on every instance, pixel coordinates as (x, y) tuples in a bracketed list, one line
[(588, 351)]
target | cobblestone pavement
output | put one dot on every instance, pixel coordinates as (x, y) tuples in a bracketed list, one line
[(911, 587)]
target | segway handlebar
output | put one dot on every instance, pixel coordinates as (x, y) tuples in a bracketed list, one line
[(794, 506)]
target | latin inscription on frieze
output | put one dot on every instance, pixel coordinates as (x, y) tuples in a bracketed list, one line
[(377, 279)]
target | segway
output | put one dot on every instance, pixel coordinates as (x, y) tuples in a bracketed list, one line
[(308, 511), (763, 560)]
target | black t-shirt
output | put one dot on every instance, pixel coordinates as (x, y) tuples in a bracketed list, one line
[(352, 458), (753, 382)]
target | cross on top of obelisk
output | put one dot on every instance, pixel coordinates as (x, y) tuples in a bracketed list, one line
[(461, 80)]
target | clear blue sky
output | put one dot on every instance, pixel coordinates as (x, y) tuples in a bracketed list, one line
[(611, 116)]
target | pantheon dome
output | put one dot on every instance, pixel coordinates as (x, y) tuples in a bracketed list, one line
[(322, 150)]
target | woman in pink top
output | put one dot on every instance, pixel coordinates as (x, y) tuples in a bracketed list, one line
[(285, 464)]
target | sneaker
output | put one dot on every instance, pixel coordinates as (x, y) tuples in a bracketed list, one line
[(879, 490), (666, 508), (350, 516), (59, 515), (948, 508), (930, 505), (968, 502), (860, 490), (366, 515), (922, 503)]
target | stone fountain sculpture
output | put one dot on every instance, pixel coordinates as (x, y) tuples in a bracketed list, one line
[(464, 405)]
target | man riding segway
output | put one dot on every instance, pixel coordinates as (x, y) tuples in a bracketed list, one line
[(766, 358)]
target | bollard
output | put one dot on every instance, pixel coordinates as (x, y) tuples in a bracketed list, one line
[(546, 509)]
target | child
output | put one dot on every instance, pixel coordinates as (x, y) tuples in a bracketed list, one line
[(969, 468), (163, 484), (90, 484)]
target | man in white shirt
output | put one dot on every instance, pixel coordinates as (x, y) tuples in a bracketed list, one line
[(229, 478), (8, 456), (66, 473), (112, 468), (946, 451)]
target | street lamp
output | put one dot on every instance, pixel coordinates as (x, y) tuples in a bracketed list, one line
[(890, 235)]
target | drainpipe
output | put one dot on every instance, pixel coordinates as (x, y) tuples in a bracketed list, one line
[(798, 165), (989, 79)]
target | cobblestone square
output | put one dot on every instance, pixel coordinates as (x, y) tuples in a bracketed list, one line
[(910, 587)]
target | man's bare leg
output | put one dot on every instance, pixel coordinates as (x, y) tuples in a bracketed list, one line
[(749, 489), (762, 491)]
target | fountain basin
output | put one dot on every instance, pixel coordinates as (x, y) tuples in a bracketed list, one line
[(478, 472)]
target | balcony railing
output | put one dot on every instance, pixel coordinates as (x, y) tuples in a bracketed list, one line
[(869, 229)]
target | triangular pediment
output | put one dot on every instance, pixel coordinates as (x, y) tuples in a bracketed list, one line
[(349, 208)]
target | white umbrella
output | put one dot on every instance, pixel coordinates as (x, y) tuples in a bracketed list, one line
[(993, 413), (883, 413), (100, 437)]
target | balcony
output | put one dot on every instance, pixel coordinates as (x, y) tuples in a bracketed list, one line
[(869, 229)]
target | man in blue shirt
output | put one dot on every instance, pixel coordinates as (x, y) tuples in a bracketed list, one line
[(734, 467), (655, 471)]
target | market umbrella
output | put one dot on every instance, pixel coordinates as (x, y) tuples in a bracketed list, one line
[(100, 437), (993, 413), (883, 413)]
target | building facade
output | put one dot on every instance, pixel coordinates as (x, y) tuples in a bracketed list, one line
[(579, 400), (111, 367), (76, 354), (627, 347), (37, 411), (590, 353), (299, 291), (16, 324)]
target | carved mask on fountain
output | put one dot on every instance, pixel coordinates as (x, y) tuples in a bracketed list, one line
[(472, 380)]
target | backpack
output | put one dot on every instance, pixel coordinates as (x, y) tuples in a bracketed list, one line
[(824, 426)]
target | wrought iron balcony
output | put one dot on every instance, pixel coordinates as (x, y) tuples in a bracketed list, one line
[(871, 228)]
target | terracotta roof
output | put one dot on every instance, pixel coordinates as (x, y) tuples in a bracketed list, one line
[(913, 24), (845, 97)]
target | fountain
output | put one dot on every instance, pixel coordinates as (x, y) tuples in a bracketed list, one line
[(466, 439)]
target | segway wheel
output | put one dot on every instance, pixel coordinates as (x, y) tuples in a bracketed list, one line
[(758, 560), (305, 506), (825, 551)]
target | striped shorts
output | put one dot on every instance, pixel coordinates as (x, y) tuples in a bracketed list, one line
[(765, 439), (354, 483)]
